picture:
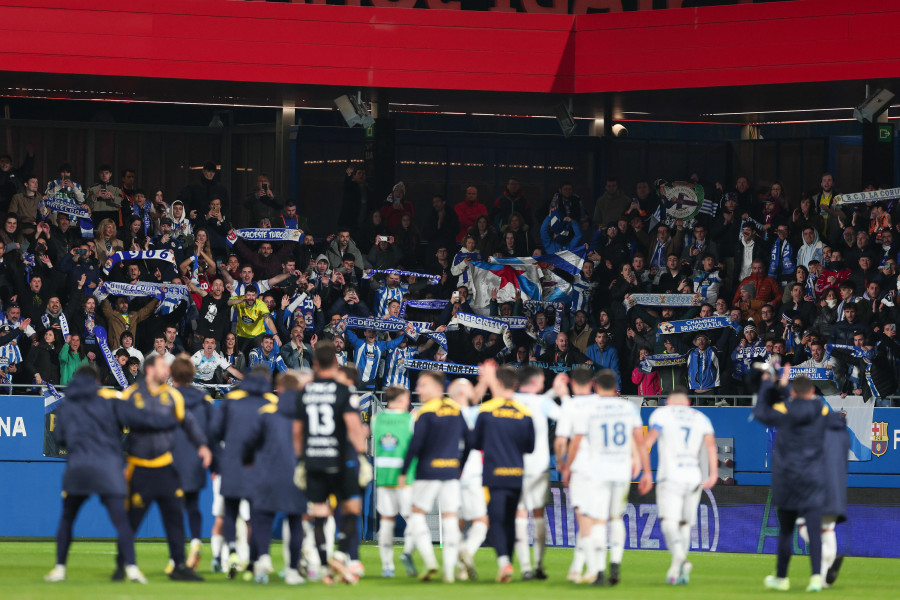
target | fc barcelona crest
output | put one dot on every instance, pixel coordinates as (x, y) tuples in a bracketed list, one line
[(879, 438)]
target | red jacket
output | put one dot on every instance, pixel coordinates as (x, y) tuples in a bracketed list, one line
[(468, 214), (392, 215), (648, 383), (767, 289)]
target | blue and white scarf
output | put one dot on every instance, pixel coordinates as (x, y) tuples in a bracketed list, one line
[(658, 361), (28, 259), (555, 367), (873, 196), (514, 322), (264, 234), (434, 279), (111, 361), (52, 398), (781, 262), (674, 300), (422, 304), (461, 256), (855, 351), (63, 323), (814, 373), (166, 255), (302, 306), (137, 209), (668, 327), (438, 337), (479, 322), (64, 205), (374, 324), (446, 367), (174, 295), (558, 225)]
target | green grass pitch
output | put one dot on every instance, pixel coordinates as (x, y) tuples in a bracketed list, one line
[(715, 576)]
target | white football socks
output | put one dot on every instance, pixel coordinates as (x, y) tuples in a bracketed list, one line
[(475, 537), (452, 538), (540, 541), (386, 543), (523, 551), (616, 540)]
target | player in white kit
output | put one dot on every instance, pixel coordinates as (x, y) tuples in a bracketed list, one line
[(536, 478), (682, 432), (610, 427), (574, 407), (473, 505)]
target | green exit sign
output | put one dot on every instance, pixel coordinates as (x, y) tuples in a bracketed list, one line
[(885, 133)]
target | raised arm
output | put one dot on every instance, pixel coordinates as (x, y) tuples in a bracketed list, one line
[(146, 311), (194, 288)]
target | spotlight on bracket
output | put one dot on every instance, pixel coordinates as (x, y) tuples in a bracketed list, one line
[(354, 110)]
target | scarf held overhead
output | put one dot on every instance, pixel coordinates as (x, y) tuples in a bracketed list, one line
[(112, 261), (264, 234)]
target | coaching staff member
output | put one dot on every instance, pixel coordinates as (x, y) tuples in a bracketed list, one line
[(89, 425), (151, 473), (798, 466)]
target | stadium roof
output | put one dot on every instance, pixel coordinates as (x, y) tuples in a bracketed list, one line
[(800, 60)]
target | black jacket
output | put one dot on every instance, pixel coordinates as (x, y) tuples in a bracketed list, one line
[(798, 466), (443, 236), (187, 463), (43, 360), (232, 424), (197, 196), (89, 424), (352, 206), (269, 451)]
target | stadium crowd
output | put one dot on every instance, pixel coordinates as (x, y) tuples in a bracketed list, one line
[(106, 273)]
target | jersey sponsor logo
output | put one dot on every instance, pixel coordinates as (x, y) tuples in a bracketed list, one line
[(880, 438), (388, 442), (445, 463), (508, 413), (248, 320)]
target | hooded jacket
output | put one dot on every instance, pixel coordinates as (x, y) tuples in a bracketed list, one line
[(89, 424), (810, 252)]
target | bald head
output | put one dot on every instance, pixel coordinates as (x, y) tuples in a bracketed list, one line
[(460, 391)]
